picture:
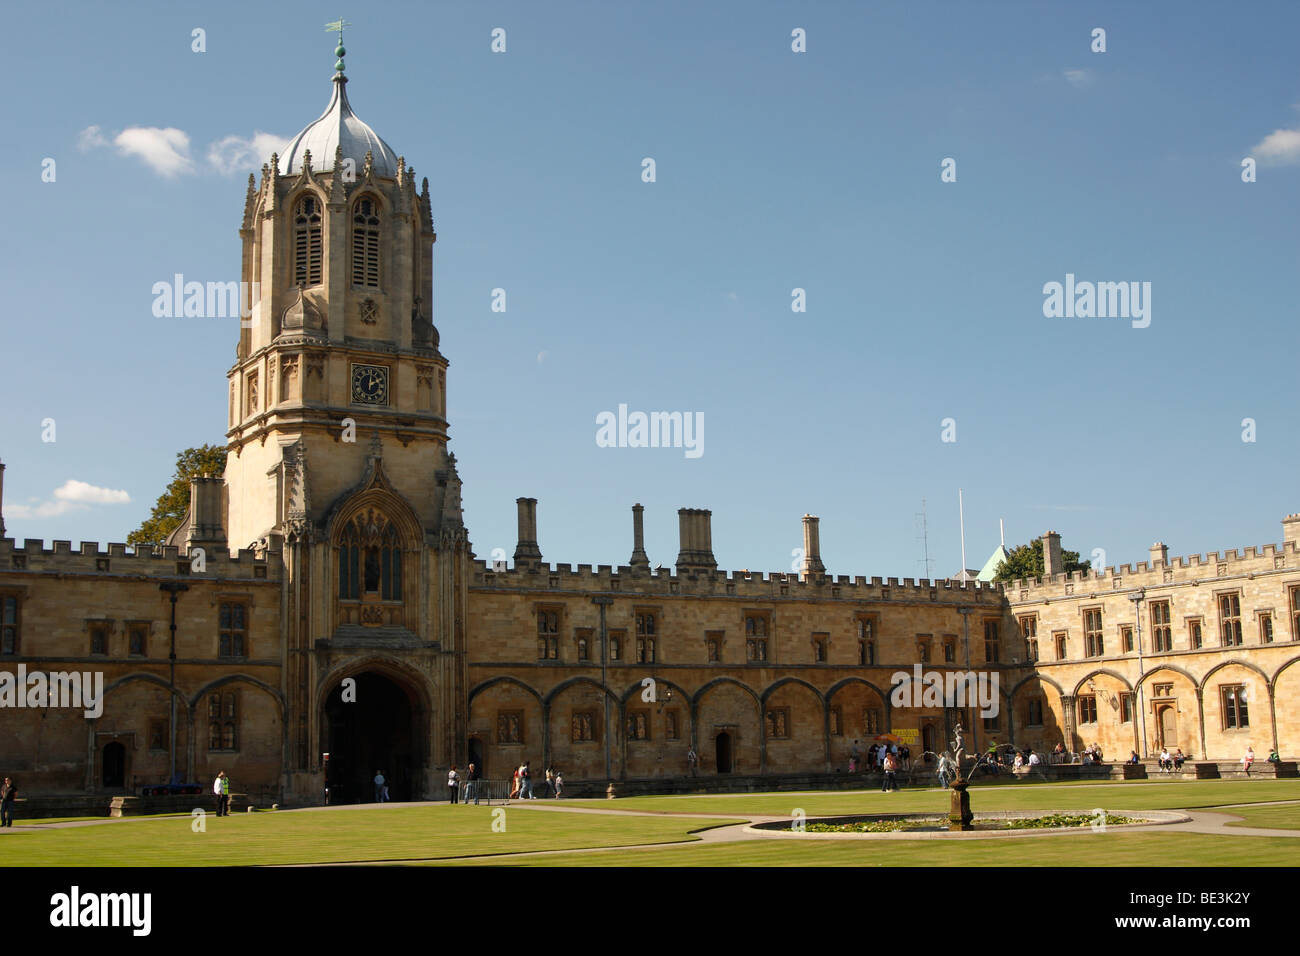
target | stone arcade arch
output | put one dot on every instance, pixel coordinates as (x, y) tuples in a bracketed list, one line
[(507, 720), (794, 715), (656, 754), (134, 706), (729, 733)]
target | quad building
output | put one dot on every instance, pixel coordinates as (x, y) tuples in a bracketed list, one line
[(322, 597)]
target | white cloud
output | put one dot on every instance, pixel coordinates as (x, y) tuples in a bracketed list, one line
[(46, 509), (72, 495), (233, 153), (541, 357), (73, 490), (167, 151), (1078, 78), (90, 138), (1279, 148)]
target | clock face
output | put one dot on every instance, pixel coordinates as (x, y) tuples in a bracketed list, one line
[(370, 384)]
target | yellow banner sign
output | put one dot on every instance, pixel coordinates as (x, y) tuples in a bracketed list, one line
[(907, 735)]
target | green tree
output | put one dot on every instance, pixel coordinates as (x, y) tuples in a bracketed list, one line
[(1026, 561), (172, 504)]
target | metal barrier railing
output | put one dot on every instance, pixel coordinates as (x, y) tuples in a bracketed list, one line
[(484, 791)]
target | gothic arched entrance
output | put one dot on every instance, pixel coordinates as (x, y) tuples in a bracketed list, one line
[(375, 726)]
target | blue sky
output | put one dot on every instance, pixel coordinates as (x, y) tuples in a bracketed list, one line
[(775, 170)]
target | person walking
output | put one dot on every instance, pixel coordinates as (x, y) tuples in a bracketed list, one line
[(471, 783), (891, 773), (8, 794), (945, 770), (379, 786), (221, 787), (692, 761), (515, 783), (526, 783), (559, 785), (453, 784), (550, 781)]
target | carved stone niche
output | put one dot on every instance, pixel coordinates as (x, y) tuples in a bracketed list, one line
[(424, 378), (288, 378)]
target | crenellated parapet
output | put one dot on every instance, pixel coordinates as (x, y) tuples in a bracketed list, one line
[(748, 585), (60, 558), (1189, 569)]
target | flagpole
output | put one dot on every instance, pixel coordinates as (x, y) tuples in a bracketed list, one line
[(961, 512)]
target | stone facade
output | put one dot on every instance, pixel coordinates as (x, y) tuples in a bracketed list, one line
[(351, 629), (1219, 641)]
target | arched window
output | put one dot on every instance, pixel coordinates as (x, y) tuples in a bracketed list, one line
[(370, 558), (349, 556), (214, 736), (307, 242), (365, 243), (390, 566)]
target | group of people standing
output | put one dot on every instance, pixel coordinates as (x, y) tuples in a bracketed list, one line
[(521, 785), (472, 776), (876, 757)]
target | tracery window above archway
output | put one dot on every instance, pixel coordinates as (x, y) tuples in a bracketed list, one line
[(370, 558)]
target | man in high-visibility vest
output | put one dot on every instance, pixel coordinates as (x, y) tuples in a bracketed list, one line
[(221, 787)]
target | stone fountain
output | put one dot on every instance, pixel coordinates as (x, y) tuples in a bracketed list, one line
[(959, 816)]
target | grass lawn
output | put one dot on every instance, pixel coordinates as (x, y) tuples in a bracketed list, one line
[(1103, 849), (1120, 794), (393, 833), (397, 833), (1278, 818)]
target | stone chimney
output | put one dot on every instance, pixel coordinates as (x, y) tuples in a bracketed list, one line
[(207, 514), (639, 558), (1159, 555), (1290, 528), (696, 554), (527, 549), (1052, 562), (812, 548)]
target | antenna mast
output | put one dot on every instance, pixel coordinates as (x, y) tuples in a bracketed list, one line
[(926, 563)]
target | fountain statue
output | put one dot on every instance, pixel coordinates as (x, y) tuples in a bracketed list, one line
[(960, 816)]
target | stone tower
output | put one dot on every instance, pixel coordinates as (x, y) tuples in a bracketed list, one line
[(337, 445)]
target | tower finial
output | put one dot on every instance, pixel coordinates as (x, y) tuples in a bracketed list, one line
[(337, 27)]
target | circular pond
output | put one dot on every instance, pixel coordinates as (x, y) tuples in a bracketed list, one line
[(990, 824)]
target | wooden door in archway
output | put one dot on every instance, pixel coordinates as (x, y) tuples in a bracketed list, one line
[(1167, 724)]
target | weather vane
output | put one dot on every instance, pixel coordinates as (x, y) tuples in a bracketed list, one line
[(337, 27)]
